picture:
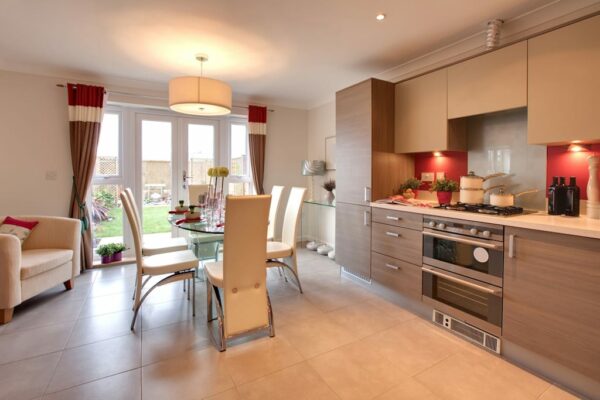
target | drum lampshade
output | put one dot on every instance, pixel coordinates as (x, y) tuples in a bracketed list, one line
[(197, 95)]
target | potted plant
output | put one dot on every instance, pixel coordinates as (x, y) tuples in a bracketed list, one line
[(117, 251), (105, 251), (410, 188), (329, 186), (444, 189)]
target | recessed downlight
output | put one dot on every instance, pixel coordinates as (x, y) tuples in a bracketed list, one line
[(380, 17)]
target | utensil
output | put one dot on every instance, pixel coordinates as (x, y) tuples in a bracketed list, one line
[(474, 195), (502, 199), (472, 181)]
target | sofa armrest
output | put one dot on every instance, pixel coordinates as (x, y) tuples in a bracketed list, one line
[(10, 271), (56, 233)]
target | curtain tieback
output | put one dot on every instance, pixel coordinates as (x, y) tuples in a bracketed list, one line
[(85, 224)]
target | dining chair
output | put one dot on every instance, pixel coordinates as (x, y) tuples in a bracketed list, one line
[(194, 192), (239, 281), (275, 198), (176, 265), (286, 249)]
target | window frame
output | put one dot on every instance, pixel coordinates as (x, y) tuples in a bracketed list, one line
[(239, 178), (119, 178)]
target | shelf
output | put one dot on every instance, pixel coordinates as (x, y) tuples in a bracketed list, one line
[(319, 203)]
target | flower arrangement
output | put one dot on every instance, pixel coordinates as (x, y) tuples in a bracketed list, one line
[(217, 172), (444, 189)]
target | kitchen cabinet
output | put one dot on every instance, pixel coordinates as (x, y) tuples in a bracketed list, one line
[(564, 84), (492, 82), (421, 115), (401, 243), (353, 238), (552, 297), (400, 276), (367, 167)]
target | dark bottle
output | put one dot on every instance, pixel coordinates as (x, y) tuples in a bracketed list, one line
[(560, 198), (573, 193), (552, 196)]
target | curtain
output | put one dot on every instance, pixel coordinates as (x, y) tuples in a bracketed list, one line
[(85, 115), (257, 126)]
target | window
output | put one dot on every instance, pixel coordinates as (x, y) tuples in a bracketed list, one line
[(240, 179)]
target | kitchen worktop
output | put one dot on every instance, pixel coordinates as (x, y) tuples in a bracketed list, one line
[(578, 226)]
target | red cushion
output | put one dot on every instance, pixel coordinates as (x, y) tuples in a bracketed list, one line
[(19, 222)]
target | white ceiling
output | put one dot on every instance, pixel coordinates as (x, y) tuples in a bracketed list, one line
[(295, 53)]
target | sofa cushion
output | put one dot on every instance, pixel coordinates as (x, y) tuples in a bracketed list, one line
[(38, 261), (20, 229)]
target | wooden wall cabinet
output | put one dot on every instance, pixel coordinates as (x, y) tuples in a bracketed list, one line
[(564, 84), (421, 115), (492, 82), (552, 297), (367, 167)]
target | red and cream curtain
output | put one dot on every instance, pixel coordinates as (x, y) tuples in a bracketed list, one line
[(257, 128), (85, 115)]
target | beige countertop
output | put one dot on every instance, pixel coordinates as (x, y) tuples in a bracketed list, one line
[(578, 226)]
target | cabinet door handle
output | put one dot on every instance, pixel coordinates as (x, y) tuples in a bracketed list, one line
[(392, 218), (511, 246), (366, 218), (367, 194), (392, 266), (393, 234)]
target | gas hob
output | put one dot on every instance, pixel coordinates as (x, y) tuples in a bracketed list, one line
[(483, 209)]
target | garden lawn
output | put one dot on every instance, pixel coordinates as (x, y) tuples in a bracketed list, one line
[(154, 221)]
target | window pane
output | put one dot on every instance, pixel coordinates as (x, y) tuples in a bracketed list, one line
[(201, 152), (239, 150), (107, 214), (107, 160), (239, 188)]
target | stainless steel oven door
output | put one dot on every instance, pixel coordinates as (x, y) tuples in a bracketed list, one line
[(474, 302), (475, 258)]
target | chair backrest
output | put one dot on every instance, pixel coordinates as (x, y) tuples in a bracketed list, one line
[(135, 230), (133, 205), (194, 191), (244, 263), (292, 213), (275, 197)]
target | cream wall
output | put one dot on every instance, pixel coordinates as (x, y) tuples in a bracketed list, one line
[(34, 140), (320, 221)]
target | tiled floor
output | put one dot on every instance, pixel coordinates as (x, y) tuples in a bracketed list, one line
[(337, 341)]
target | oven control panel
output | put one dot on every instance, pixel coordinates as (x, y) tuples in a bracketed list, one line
[(467, 228)]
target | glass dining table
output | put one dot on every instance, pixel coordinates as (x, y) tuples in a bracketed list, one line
[(205, 237)]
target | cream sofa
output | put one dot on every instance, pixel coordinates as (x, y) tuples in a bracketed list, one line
[(50, 256)]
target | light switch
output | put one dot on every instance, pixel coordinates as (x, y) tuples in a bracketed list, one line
[(440, 175), (427, 176), (51, 175)]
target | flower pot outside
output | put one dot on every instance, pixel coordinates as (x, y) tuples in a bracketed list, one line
[(106, 259), (117, 256), (444, 197)]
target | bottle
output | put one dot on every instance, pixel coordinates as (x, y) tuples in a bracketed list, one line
[(573, 193), (552, 196), (560, 200)]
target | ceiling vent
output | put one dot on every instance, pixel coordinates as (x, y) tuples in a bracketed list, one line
[(493, 33)]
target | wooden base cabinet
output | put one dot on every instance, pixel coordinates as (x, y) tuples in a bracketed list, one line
[(552, 297), (353, 239)]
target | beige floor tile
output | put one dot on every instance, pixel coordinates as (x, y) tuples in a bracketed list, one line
[(124, 386), (156, 315), (125, 272), (95, 361), (87, 276), (314, 336), (298, 382), (172, 340), (329, 298), (55, 310), (80, 291), (105, 287), (34, 342), (392, 310), (408, 389), (466, 375), (260, 357), (363, 319), (556, 393), (293, 308), (107, 326), (231, 394), (28, 378), (414, 345), (355, 372), (94, 306), (194, 375)]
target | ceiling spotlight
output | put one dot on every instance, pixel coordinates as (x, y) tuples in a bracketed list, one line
[(380, 17)]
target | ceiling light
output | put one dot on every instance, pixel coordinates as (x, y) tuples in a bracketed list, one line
[(380, 17), (197, 95), (577, 148)]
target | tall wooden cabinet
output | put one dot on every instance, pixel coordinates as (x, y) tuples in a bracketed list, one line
[(564, 84), (552, 297), (367, 168)]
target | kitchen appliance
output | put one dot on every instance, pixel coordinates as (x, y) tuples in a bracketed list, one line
[(484, 209), (502, 199), (462, 273), (467, 331), (475, 196)]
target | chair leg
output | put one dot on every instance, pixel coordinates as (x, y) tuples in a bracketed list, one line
[(209, 307), (193, 296), (188, 288), (69, 284), (271, 325), (6, 315), (143, 284)]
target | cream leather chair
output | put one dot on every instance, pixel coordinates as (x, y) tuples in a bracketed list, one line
[(177, 265), (239, 282), (286, 249), (50, 256), (275, 198), (194, 192)]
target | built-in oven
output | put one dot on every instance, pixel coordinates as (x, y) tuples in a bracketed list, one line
[(462, 273)]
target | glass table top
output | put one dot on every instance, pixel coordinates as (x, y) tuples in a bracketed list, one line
[(201, 226)]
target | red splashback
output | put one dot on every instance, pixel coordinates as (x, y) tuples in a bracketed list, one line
[(453, 163), (562, 162)]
